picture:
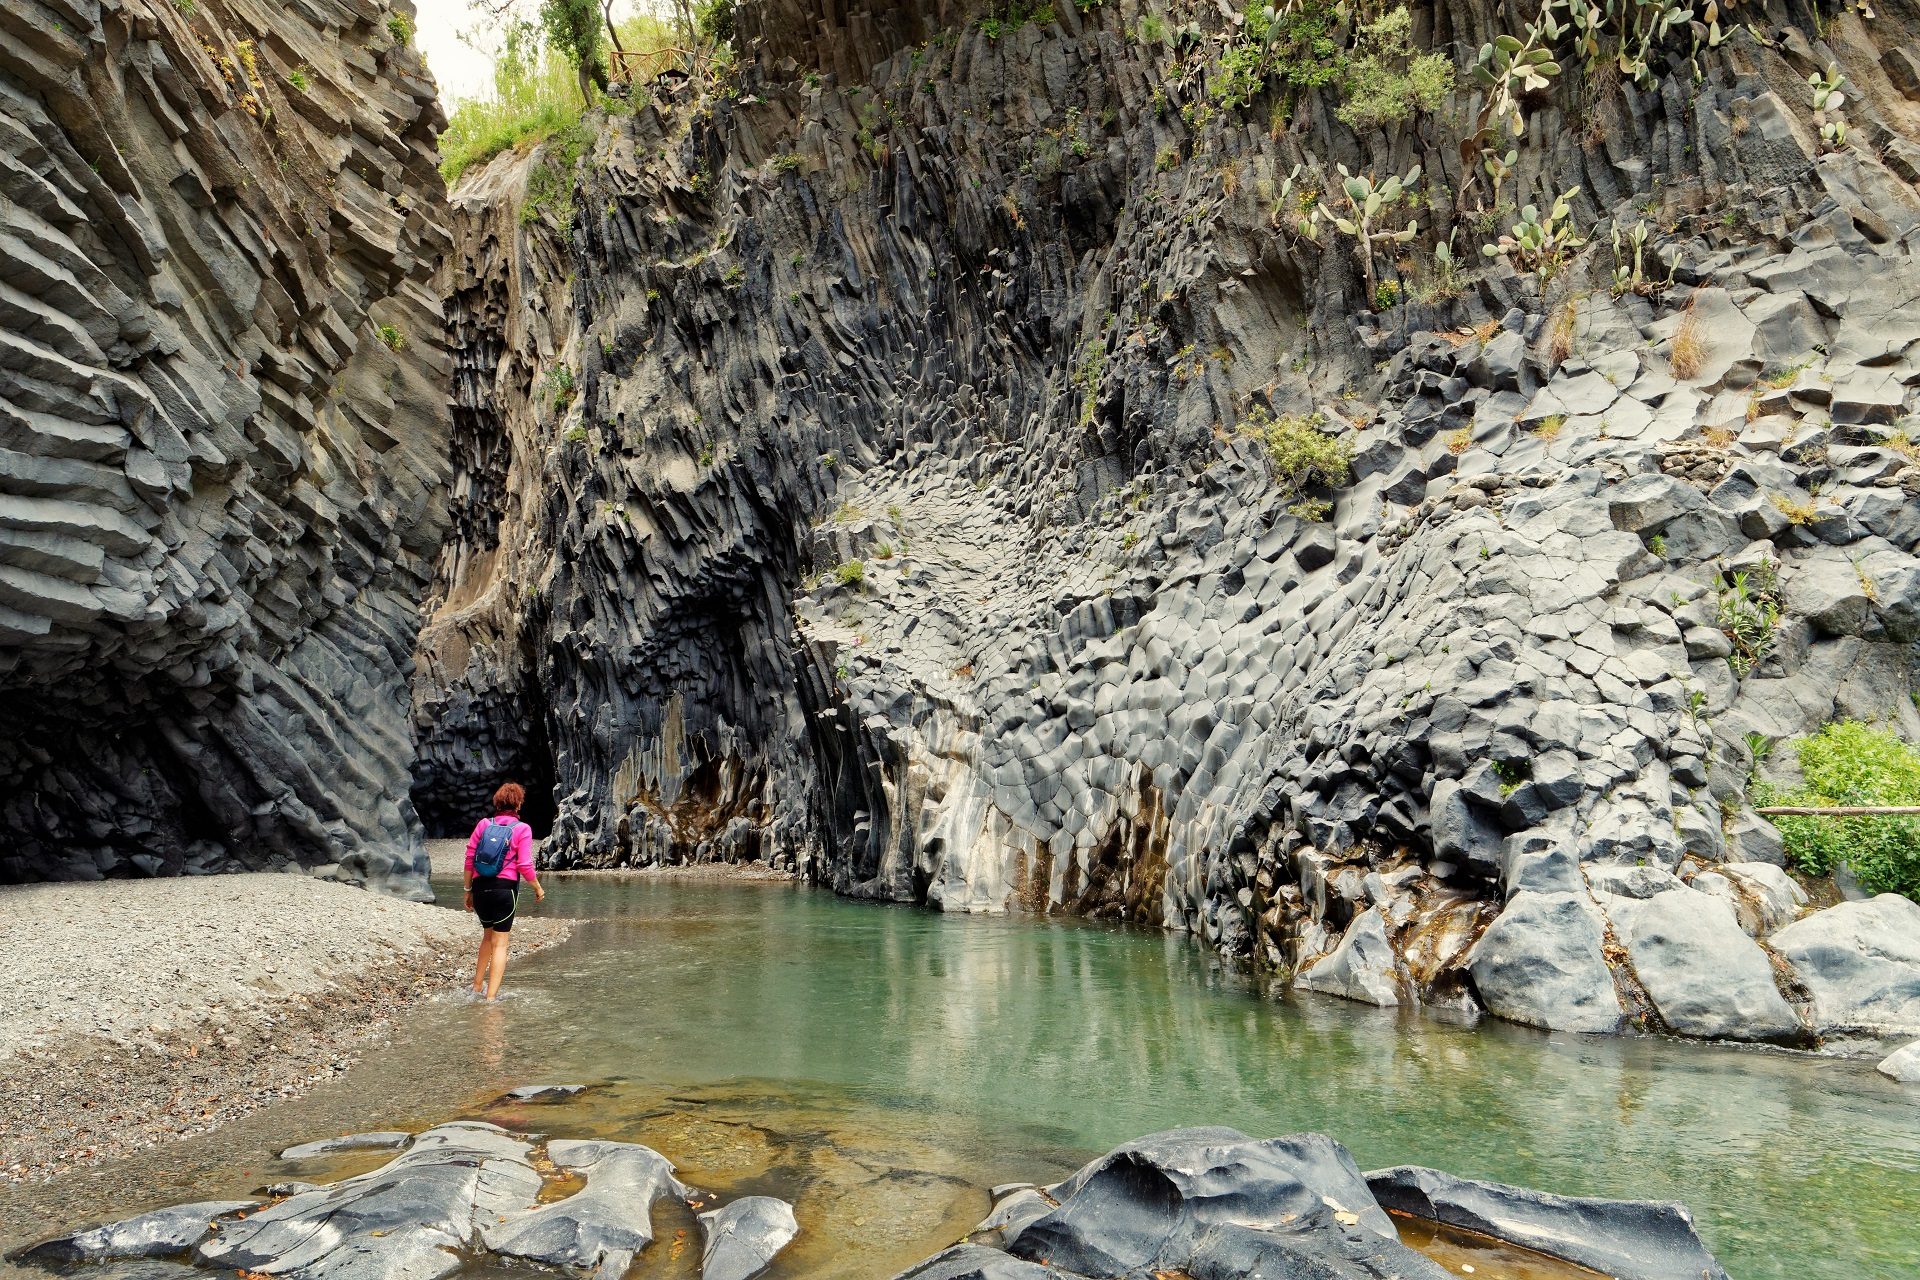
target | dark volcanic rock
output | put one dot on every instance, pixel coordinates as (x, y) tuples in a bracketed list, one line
[(222, 436), (1212, 1203), (1630, 1239)]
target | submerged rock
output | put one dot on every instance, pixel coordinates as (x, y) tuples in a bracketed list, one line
[(743, 1237), (1628, 1239), (385, 1140), (542, 1092)]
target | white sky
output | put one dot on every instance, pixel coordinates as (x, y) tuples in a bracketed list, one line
[(462, 72)]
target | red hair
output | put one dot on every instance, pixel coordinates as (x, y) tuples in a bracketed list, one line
[(509, 798)]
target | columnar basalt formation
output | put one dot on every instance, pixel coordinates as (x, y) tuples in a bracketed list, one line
[(222, 435), (905, 510)]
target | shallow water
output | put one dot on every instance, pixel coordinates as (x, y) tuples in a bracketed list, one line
[(880, 1066)]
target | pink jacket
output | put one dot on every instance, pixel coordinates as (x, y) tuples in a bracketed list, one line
[(519, 863)]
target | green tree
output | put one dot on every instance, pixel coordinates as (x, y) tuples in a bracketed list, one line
[(577, 29)]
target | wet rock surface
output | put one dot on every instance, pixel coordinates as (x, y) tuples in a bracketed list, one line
[(222, 435), (863, 477), (460, 1192), (1213, 1202)]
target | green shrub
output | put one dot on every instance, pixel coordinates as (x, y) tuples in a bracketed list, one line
[(1851, 763), (391, 335), (1302, 455), (850, 574), (400, 28), (1386, 81)]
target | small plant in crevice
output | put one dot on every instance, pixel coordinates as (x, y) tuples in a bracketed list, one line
[(1746, 611), (297, 78), (400, 28), (1827, 102), (1847, 764), (1687, 350), (1796, 511), (558, 387), (1301, 456), (1512, 775), (1459, 441), (392, 337), (851, 573)]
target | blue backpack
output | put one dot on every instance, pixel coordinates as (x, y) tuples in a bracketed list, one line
[(491, 857)]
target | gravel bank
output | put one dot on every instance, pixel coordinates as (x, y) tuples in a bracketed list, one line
[(140, 1010)]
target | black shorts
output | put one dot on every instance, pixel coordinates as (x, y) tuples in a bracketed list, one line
[(493, 899)]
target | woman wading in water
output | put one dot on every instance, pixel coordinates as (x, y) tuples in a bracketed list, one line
[(499, 857)]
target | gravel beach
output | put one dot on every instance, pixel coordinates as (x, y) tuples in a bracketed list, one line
[(140, 1010)]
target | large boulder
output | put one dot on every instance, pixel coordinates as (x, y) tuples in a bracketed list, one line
[(1641, 1239), (164, 1233), (1540, 963), (1902, 1064), (1361, 968), (598, 1228), (404, 1219), (1211, 1199), (1861, 961), (1705, 975)]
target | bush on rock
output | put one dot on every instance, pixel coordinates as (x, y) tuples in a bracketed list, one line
[(1852, 763)]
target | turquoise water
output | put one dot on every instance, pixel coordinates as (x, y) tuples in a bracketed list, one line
[(880, 1065)]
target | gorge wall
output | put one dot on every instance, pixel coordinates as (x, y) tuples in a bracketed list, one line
[(223, 434), (889, 467)]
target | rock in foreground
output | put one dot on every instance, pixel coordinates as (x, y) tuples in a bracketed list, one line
[(1213, 1202), (457, 1194)]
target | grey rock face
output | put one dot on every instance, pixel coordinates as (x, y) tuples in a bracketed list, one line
[(164, 1233), (222, 411), (743, 1237), (893, 523), (1361, 967), (1630, 1239), (1704, 974), (1861, 961), (599, 1228), (404, 1219), (1541, 963)]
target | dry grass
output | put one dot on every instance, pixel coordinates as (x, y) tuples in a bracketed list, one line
[(1795, 512), (1566, 317), (1719, 437), (1903, 443), (1458, 442), (1549, 428), (1688, 349)]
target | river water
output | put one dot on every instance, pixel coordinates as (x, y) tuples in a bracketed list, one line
[(879, 1066)]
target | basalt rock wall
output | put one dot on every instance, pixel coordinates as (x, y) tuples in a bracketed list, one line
[(903, 508), (222, 435)]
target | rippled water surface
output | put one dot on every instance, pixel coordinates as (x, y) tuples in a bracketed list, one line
[(880, 1066)]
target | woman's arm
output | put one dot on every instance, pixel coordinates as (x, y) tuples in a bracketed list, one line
[(466, 879), (523, 839)]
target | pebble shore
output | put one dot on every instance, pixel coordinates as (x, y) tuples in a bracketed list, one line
[(145, 1010)]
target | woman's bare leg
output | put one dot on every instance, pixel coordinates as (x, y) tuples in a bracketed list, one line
[(480, 961), (497, 969)]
